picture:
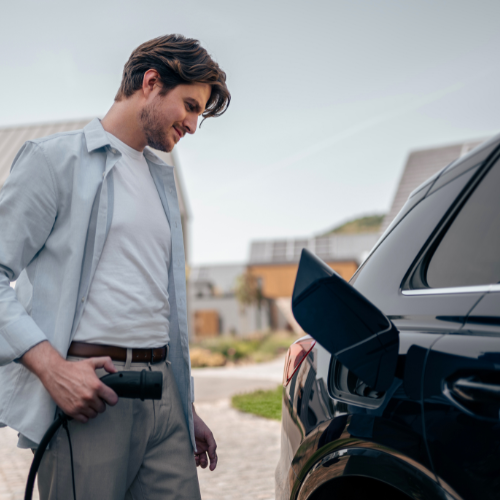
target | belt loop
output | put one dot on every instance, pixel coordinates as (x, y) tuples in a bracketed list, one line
[(128, 361)]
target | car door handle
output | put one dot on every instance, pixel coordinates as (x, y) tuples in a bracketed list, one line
[(471, 389), (474, 396)]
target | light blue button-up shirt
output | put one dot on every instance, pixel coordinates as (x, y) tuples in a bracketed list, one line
[(56, 209)]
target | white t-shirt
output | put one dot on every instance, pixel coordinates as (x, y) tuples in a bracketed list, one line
[(127, 304)]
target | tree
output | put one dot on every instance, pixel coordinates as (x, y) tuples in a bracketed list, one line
[(248, 291)]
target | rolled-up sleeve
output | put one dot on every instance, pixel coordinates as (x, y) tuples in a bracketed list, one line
[(28, 209)]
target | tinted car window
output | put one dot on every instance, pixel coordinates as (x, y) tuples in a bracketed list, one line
[(469, 253)]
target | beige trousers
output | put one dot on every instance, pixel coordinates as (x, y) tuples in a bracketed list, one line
[(135, 450)]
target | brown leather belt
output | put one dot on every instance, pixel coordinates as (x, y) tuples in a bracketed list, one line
[(84, 350)]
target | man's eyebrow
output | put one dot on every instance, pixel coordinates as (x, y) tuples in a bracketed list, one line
[(195, 103)]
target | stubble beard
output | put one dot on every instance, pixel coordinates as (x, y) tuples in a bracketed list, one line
[(153, 130)]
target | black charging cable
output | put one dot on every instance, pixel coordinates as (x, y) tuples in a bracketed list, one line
[(65, 425), (137, 385)]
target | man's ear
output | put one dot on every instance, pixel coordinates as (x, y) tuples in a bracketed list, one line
[(150, 81)]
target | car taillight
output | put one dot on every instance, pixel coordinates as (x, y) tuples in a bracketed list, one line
[(297, 352)]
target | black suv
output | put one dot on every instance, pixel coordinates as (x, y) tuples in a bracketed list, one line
[(395, 392)]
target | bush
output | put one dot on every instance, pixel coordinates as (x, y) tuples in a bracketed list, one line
[(203, 357), (255, 348)]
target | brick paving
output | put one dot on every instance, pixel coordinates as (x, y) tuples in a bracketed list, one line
[(248, 448), (14, 467)]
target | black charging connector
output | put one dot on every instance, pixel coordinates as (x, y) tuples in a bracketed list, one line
[(137, 385)]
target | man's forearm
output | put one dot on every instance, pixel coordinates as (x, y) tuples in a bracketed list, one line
[(39, 357)]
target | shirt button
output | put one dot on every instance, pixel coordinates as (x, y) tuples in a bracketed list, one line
[(83, 299), (170, 190), (113, 150), (103, 175), (176, 224)]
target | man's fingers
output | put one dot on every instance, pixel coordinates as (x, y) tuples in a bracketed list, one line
[(203, 460), (107, 394), (89, 413), (212, 446), (98, 405), (103, 362)]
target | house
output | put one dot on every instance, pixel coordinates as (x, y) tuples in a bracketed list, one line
[(275, 262), (215, 307)]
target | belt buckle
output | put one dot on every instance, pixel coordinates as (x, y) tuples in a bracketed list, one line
[(152, 355)]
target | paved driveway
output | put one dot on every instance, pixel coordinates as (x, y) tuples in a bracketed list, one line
[(248, 446)]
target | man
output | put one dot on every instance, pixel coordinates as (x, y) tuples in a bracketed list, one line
[(90, 229)]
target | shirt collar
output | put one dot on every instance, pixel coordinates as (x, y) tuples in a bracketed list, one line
[(95, 135)]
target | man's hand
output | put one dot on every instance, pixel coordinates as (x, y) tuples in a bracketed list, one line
[(74, 386), (205, 444)]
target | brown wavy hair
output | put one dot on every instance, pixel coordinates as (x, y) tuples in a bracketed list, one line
[(178, 60)]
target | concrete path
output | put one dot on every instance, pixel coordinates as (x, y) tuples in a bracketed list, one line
[(248, 449), (248, 446), (213, 384)]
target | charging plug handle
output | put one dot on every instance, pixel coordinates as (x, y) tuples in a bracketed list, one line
[(138, 385)]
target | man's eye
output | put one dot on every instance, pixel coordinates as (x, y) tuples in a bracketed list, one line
[(190, 107)]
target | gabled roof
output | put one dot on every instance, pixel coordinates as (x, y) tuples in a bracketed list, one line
[(12, 138), (421, 165)]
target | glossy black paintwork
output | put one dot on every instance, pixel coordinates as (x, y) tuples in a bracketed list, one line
[(464, 437), (417, 439)]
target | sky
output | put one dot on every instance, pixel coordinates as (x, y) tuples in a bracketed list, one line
[(328, 98)]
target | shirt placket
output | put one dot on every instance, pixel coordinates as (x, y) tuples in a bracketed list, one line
[(97, 239)]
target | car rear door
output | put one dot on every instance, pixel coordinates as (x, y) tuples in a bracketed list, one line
[(461, 386)]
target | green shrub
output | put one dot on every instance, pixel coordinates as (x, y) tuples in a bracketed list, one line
[(262, 403), (257, 348)]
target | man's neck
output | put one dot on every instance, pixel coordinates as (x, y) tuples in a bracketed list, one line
[(122, 121)]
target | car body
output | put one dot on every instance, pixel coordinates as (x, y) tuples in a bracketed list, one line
[(435, 432)]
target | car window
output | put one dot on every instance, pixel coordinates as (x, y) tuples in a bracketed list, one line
[(469, 252)]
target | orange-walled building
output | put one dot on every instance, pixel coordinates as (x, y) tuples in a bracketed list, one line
[(275, 264)]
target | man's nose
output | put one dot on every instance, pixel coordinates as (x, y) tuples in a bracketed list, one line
[(190, 124)]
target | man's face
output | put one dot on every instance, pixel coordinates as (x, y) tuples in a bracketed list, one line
[(166, 119)]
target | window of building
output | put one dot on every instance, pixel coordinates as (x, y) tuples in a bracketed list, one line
[(469, 252)]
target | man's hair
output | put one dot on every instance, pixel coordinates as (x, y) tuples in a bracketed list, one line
[(178, 60)]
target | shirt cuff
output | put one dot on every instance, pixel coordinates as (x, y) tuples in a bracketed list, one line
[(19, 337)]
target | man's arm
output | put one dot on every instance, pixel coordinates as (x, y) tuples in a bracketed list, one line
[(205, 443), (28, 211)]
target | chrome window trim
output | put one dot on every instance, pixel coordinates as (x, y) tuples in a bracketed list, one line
[(453, 290)]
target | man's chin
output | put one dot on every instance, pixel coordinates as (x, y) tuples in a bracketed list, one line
[(166, 148)]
